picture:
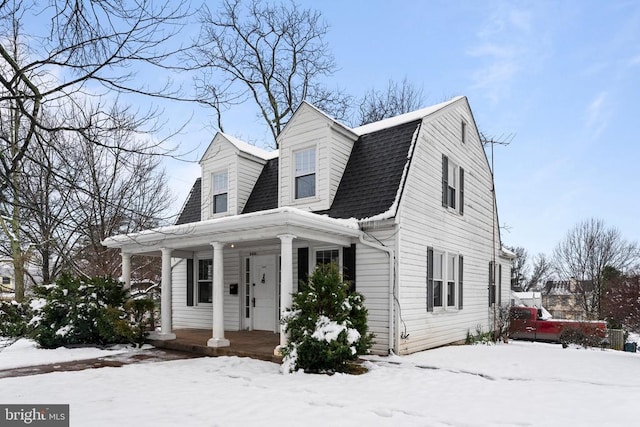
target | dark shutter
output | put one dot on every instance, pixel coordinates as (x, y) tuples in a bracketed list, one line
[(461, 207), (189, 282), (492, 283), (429, 279), (349, 266), (460, 279), (445, 180), (303, 267), (499, 295)]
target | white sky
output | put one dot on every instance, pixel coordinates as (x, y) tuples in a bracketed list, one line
[(520, 383), (560, 76)]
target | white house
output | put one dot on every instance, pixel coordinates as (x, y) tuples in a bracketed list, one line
[(404, 206)]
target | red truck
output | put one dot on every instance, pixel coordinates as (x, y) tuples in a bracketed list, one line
[(527, 323)]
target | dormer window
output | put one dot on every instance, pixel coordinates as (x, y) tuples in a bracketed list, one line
[(305, 173), (220, 189)]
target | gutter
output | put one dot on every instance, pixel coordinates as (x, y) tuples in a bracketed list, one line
[(390, 253)]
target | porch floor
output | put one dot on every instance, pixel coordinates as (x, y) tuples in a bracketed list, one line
[(253, 344)]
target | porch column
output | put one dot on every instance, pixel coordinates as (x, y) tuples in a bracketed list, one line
[(126, 270), (286, 283), (165, 302), (218, 340)]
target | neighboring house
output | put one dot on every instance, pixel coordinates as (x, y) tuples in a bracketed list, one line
[(404, 206), (7, 280), (564, 299), (529, 299)]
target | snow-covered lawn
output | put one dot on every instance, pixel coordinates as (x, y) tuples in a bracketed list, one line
[(25, 352), (520, 383)]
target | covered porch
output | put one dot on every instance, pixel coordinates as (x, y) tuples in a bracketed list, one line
[(264, 240), (254, 344)]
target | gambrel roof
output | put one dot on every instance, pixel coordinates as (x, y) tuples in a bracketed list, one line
[(372, 181), (368, 187)]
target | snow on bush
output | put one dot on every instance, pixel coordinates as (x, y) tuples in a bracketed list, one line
[(327, 325)]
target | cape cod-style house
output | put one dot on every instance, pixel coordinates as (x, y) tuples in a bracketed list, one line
[(405, 207)]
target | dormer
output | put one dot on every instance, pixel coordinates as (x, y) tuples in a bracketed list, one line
[(314, 150), (230, 168)]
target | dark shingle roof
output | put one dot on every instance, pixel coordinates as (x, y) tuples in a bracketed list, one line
[(372, 176), (368, 187), (265, 193), (191, 210)]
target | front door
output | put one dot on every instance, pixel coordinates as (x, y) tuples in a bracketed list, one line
[(264, 283)]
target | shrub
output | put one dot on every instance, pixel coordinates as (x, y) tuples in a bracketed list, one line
[(327, 325), (13, 319), (78, 311), (141, 314)]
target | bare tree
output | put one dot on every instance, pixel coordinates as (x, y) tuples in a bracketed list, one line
[(395, 99), (272, 54), (542, 271), (620, 301), (519, 268), (584, 253), (72, 50)]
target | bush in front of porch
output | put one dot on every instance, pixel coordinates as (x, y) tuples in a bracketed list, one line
[(327, 325)]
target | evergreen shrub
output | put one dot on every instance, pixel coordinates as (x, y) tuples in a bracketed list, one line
[(327, 325)]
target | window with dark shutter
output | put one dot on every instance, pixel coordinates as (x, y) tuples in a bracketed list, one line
[(349, 266), (190, 282), (460, 275), (429, 279), (303, 267)]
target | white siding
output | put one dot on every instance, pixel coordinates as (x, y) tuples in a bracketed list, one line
[(425, 222), (201, 315), (340, 147), (247, 175), (372, 281)]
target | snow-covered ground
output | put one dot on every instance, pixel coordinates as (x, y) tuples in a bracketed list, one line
[(25, 352), (520, 383)]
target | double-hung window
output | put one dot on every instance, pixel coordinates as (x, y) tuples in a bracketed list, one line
[(220, 191), (305, 173), (452, 185), (205, 280), (451, 280), (328, 256), (444, 280)]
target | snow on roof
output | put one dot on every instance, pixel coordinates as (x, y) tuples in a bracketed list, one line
[(250, 149), (403, 118)]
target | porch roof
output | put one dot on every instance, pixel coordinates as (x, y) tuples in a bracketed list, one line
[(256, 226)]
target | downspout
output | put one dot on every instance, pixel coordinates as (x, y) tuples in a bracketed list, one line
[(390, 253)]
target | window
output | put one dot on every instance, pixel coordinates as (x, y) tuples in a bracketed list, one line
[(328, 256), (438, 258), (6, 280), (444, 279), (451, 280), (452, 185), (205, 280), (305, 173), (220, 188), (463, 131)]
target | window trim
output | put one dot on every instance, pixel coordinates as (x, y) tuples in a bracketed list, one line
[(215, 193), (304, 173), (451, 285)]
